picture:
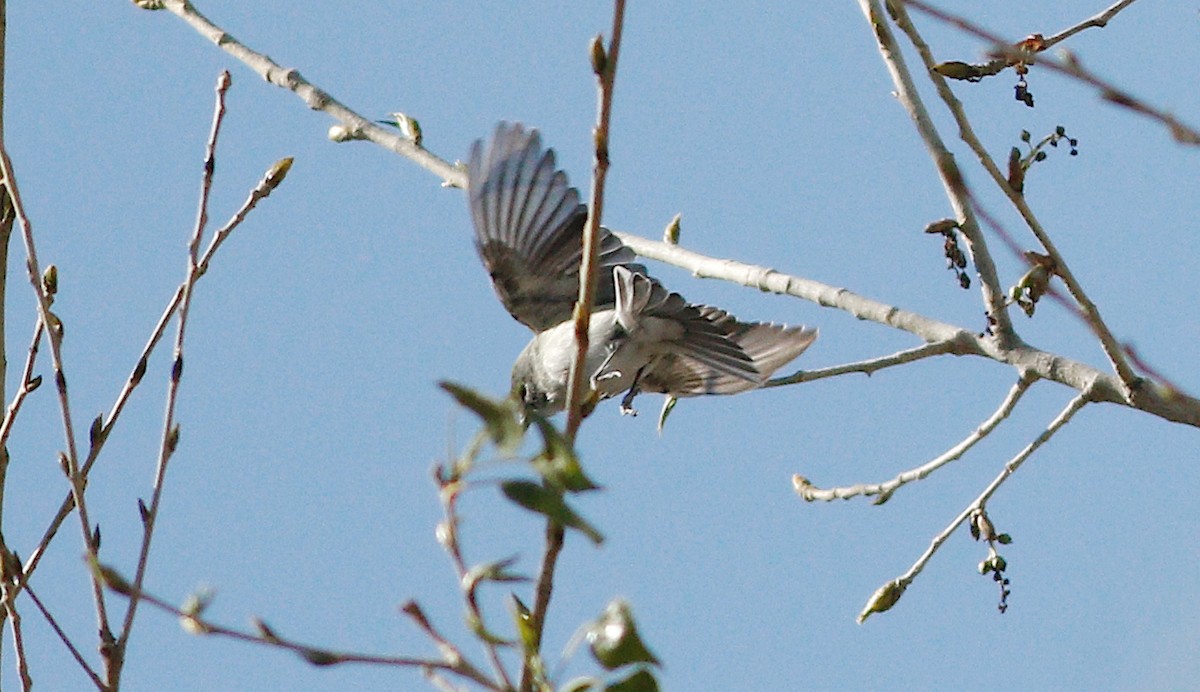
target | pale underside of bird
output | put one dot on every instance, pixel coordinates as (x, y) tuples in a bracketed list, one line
[(642, 338)]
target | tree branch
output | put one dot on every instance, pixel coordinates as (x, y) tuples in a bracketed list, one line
[(1099, 21), (354, 126), (1164, 402), (604, 65), (1010, 467), (1091, 313), (810, 492), (54, 332), (948, 171), (170, 433), (867, 367), (1180, 132)]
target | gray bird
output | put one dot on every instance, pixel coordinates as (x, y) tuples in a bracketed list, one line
[(642, 338)]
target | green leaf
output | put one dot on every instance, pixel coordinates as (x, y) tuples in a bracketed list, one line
[(543, 500), (499, 416), (523, 619), (558, 463), (614, 639), (641, 681)]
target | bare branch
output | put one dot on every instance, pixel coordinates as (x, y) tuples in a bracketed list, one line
[(948, 171), (195, 623), (448, 533), (980, 502), (354, 126), (867, 367), (62, 635), (18, 632), (170, 433), (1091, 313), (454, 658), (885, 490), (1070, 66), (28, 384), (70, 458), (1165, 402), (604, 65), (1099, 21)]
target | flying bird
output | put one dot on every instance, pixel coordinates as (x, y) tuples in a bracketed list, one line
[(642, 338)]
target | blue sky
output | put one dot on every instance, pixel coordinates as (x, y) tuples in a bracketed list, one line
[(310, 416)]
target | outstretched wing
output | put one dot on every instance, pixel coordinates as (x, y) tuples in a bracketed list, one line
[(769, 347), (529, 229), (649, 312)]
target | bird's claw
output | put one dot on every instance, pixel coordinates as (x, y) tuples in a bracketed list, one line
[(627, 408)]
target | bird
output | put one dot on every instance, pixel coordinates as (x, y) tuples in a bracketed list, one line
[(642, 337)]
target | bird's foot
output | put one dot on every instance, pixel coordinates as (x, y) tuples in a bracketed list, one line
[(627, 403)]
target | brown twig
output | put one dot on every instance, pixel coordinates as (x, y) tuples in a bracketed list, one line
[(70, 458), (604, 64), (18, 632), (262, 190), (194, 622), (448, 534), (170, 433), (62, 635), (1182, 133)]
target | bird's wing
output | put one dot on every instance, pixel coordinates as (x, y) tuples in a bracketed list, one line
[(769, 347), (529, 229), (697, 337)]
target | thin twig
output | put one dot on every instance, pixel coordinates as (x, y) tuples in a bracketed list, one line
[(872, 365), (170, 433), (12, 584), (27, 386), (1099, 21), (10, 609), (62, 635), (449, 532), (1108, 342), (948, 171), (1009, 468), (195, 623), (604, 64), (70, 458), (262, 189), (885, 490), (454, 658), (354, 125), (1180, 132)]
